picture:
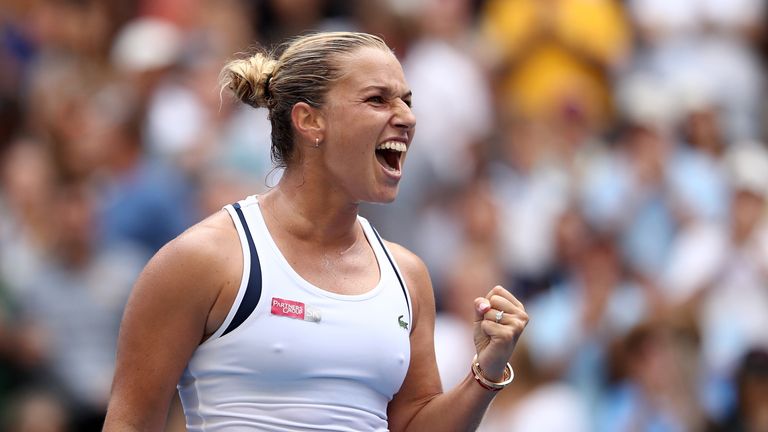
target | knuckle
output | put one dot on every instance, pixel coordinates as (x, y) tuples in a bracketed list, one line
[(486, 326)]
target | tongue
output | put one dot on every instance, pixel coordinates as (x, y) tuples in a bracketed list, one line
[(389, 160)]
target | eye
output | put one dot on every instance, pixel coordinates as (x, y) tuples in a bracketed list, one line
[(408, 102), (376, 100)]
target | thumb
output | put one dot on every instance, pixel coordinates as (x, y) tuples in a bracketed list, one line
[(481, 307)]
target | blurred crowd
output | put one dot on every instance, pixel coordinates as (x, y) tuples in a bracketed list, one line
[(604, 160)]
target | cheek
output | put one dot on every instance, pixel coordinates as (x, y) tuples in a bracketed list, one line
[(354, 133), (347, 160), (355, 142), (350, 146)]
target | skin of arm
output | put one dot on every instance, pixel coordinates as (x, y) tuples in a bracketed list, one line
[(167, 316), (421, 404)]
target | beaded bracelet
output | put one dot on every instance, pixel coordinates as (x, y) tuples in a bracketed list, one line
[(487, 384)]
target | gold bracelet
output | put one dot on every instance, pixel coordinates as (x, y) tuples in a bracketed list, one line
[(487, 384)]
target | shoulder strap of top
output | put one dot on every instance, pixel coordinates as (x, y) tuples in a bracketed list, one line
[(249, 298), (370, 229)]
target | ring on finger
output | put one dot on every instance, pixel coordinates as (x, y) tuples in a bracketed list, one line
[(499, 316)]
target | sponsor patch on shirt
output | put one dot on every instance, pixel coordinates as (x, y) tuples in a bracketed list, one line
[(294, 309)]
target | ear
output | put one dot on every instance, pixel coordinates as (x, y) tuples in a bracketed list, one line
[(308, 122)]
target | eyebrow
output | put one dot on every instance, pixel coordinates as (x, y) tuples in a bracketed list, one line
[(387, 90)]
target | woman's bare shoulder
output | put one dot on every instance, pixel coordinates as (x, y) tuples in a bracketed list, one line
[(410, 264), (203, 257), (168, 316), (209, 239), (416, 277)]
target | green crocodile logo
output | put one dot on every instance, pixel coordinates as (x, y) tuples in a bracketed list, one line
[(402, 323)]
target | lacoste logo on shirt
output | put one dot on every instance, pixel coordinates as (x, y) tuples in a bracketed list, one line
[(402, 323), (294, 309)]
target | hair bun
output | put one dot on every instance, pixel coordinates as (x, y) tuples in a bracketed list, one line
[(249, 79)]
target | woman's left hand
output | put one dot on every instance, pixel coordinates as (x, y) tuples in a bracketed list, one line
[(499, 321)]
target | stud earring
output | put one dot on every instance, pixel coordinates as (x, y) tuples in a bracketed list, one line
[(317, 142)]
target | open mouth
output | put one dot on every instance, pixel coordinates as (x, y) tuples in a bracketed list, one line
[(389, 155)]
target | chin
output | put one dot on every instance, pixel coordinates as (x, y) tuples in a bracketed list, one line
[(383, 197)]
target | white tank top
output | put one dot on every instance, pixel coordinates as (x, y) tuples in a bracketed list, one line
[(292, 356)]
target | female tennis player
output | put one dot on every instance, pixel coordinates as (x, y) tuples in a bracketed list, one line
[(287, 311)]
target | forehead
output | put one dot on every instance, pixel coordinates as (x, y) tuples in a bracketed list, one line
[(366, 67)]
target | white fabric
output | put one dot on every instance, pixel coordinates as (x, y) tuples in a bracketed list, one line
[(146, 44), (696, 259), (734, 312), (454, 348), (274, 373), (551, 407)]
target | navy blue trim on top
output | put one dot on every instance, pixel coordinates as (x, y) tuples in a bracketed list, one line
[(392, 263), (253, 289)]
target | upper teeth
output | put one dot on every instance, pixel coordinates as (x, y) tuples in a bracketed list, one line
[(392, 145)]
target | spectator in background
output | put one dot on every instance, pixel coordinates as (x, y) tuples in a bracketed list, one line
[(28, 178), (75, 297), (697, 177), (142, 200), (390, 19), (145, 54), (554, 54), (722, 270), (704, 46), (27, 182), (16, 52), (532, 192), (539, 402), (282, 19), (657, 388), (579, 318), (624, 191), (81, 29), (36, 411), (751, 410), (737, 281), (466, 273), (185, 126)]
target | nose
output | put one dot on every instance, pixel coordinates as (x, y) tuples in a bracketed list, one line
[(404, 117)]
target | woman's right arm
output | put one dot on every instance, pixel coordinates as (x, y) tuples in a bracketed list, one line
[(177, 301)]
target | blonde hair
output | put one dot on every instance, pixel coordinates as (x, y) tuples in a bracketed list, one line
[(302, 72)]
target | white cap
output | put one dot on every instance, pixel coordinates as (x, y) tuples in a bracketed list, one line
[(146, 44), (647, 100), (748, 167)]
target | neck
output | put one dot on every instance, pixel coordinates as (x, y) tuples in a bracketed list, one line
[(311, 210)]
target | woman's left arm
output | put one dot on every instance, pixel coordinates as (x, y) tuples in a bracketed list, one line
[(421, 404)]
